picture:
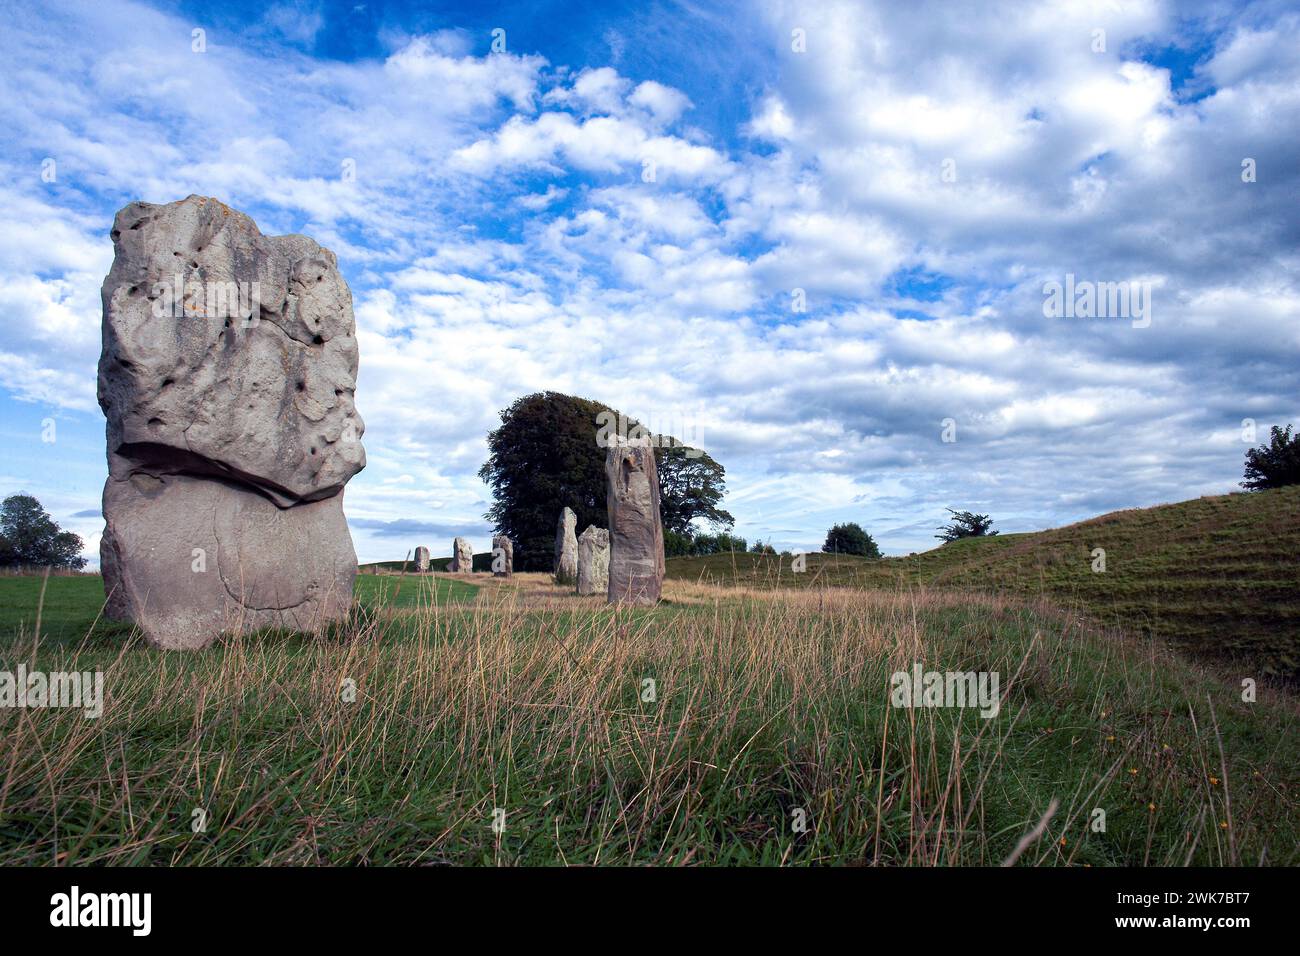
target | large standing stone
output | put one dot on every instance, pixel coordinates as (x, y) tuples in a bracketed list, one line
[(421, 560), (227, 377), (462, 557), (593, 561), (636, 566), (503, 557), (566, 548)]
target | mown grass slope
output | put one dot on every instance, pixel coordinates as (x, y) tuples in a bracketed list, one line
[(1218, 577)]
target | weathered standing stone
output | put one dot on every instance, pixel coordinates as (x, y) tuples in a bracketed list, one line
[(227, 373), (593, 561), (566, 548), (503, 557), (421, 560), (462, 557), (636, 534)]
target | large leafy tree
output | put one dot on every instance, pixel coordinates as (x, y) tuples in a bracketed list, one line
[(1275, 464), (850, 538), (29, 536), (545, 456), (691, 486)]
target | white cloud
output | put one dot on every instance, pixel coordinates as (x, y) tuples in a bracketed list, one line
[(916, 173)]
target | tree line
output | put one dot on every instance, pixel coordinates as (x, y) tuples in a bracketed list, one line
[(545, 456)]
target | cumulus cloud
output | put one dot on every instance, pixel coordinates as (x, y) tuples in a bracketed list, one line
[(813, 284)]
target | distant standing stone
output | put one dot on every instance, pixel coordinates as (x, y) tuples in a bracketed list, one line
[(421, 560), (503, 557), (593, 561), (462, 557), (566, 548), (636, 566)]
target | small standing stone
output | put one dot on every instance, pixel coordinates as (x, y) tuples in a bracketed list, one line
[(566, 548), (636, 534), (593, 561), (421, 560), (503, 557), (462, 557)]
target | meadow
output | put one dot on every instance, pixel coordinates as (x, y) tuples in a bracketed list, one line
[(1216, 578), (477, 721)]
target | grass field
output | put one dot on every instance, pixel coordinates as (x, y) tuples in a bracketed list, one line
[(745, 720), (768, 707), (1215, 577), (71, 608)]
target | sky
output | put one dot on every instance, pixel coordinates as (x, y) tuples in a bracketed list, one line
[(816, 240)]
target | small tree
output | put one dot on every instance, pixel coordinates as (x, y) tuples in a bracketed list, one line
[(720, 543), (850, 539), (676, 544), (1275, 464), (29, 536), (966, 524)]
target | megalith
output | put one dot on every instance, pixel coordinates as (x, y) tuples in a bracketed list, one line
[(593, 561), (566, 548), (227, 377), (462, 557), (636, 534), (503, 557), (421, 560)]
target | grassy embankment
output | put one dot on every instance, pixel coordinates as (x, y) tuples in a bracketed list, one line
[(1216, 577)]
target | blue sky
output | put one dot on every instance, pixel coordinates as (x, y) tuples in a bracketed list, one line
[(919, 174)]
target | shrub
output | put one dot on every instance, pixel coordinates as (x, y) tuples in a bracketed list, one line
[(850, 539)]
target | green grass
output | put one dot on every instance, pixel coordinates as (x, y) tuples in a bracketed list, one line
[(1217, 577), (406, 591), (72, 604), (770, 703), (763, 706)]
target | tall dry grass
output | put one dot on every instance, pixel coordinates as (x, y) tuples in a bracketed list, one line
[(532, 707)]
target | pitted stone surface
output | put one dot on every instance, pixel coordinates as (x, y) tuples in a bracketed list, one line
[(226, 377), (191, 384)]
